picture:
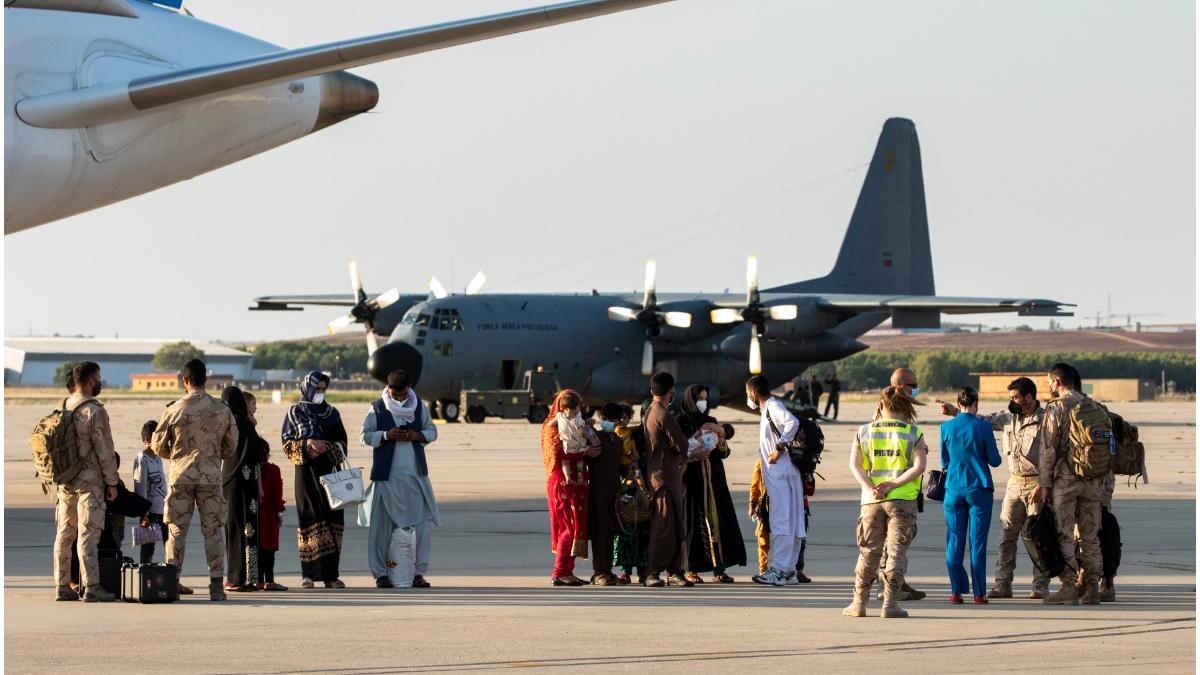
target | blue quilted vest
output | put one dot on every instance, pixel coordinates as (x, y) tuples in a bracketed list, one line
[(381, 464)]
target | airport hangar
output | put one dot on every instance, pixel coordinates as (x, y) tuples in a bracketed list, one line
[(31, 361)]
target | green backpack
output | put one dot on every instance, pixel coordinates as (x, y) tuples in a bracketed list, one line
[(56, 446), (1093, 447), (1130, 459)]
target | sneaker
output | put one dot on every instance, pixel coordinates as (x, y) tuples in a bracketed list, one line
[(1000, 592), (789, 579), (654, 581), (769, 578), (66, 593), (679, 580), (97, 594)]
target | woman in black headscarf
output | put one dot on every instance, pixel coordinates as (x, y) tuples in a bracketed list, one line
[(714, 537), (315, 440), (239, 480)]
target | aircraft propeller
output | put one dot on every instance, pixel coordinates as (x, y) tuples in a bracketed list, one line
[(754, 312), (649, 315), (438, 290), (364, 310)]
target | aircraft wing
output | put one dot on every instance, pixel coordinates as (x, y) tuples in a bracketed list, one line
[(116, 101), (923, 311), (295, 303)]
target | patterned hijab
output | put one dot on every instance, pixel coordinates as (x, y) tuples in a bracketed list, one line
[(305, 419)]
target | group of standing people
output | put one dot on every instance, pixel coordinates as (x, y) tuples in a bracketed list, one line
[(219, 466), (889, 456), (681, 521), (807, 393), (674, 461)]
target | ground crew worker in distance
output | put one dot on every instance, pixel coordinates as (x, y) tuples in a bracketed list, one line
[(887, 458), (80, 511), (196, 433), (1076, 500)]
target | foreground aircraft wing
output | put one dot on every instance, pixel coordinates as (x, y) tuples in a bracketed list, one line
[(923, 311), (117, 101)]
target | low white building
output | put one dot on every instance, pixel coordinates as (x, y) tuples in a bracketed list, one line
[(32, 361)]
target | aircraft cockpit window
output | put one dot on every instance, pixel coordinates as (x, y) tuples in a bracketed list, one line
[(422, 320), (446, 319)]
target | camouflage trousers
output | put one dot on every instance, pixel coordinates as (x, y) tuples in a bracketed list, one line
[(79, 517), (1077, 505), (1012, 518), (210, 501), (887, 526)]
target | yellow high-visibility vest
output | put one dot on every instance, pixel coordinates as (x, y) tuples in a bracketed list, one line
[(887, 447)]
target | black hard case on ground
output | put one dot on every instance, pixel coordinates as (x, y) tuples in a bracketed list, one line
[(150, 583)]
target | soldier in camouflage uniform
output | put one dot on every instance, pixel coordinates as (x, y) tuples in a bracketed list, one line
[(80, 509), (196, 433), (1076, 501)]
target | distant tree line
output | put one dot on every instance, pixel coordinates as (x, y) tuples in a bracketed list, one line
[(944, 370), (340, 359)]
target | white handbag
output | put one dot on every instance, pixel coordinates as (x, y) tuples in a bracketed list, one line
[(343, 487)]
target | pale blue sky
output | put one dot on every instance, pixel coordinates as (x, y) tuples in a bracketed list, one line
[(1054, 136)]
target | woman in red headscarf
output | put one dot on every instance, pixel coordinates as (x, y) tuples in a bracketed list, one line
[(566, 441)]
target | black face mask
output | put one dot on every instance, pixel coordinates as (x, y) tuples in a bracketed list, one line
[(1014, 407), (96, 391)]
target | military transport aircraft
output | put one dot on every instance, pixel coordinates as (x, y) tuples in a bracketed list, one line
[(604, 345), (109, 99)]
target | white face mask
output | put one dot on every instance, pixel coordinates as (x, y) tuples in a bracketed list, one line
[(702, 406), (319, 397), (751, 404)]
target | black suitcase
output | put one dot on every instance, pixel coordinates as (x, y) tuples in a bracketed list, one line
[(110, 570), (149, 583), (1040, 535)]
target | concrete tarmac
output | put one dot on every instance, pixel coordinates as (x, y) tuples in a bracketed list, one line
[(492, 606)]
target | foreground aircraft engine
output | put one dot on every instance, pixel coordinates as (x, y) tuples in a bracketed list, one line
[(754, 312), (650, 315)]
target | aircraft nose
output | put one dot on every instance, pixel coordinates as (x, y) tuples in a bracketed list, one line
[(395, 356), (343, 96)]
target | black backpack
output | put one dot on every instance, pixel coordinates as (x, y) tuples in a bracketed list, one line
[(1040, 535), (1110, 542), (813, 439)]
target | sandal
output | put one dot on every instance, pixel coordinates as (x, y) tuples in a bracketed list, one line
[(694, 578), (272, 587), (307, 583), (623, 580), (722, 578), (336, 583)]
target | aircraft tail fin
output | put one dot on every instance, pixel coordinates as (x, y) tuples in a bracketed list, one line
[(886, 248)]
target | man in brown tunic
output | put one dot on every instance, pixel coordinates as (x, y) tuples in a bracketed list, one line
[(667, 446)]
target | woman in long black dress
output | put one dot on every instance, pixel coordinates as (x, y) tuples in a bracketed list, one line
[(315, 440), (714, 537), (239, 480)]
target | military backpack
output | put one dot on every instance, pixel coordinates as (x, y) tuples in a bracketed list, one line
[(1090, 436), (1130, 459), (56, 446)]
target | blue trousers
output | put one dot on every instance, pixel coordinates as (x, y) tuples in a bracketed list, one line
[(968, 511)]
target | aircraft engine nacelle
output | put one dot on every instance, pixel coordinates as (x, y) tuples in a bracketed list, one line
[(813, 349)]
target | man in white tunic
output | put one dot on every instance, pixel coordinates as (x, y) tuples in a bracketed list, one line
[(785, 488), (399, 427)]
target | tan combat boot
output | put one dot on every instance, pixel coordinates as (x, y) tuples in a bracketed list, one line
[(890, 609), (216, 589), (1091, 595), (858, 607), (1065, 596), (1000, 591), (1108, 592)]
